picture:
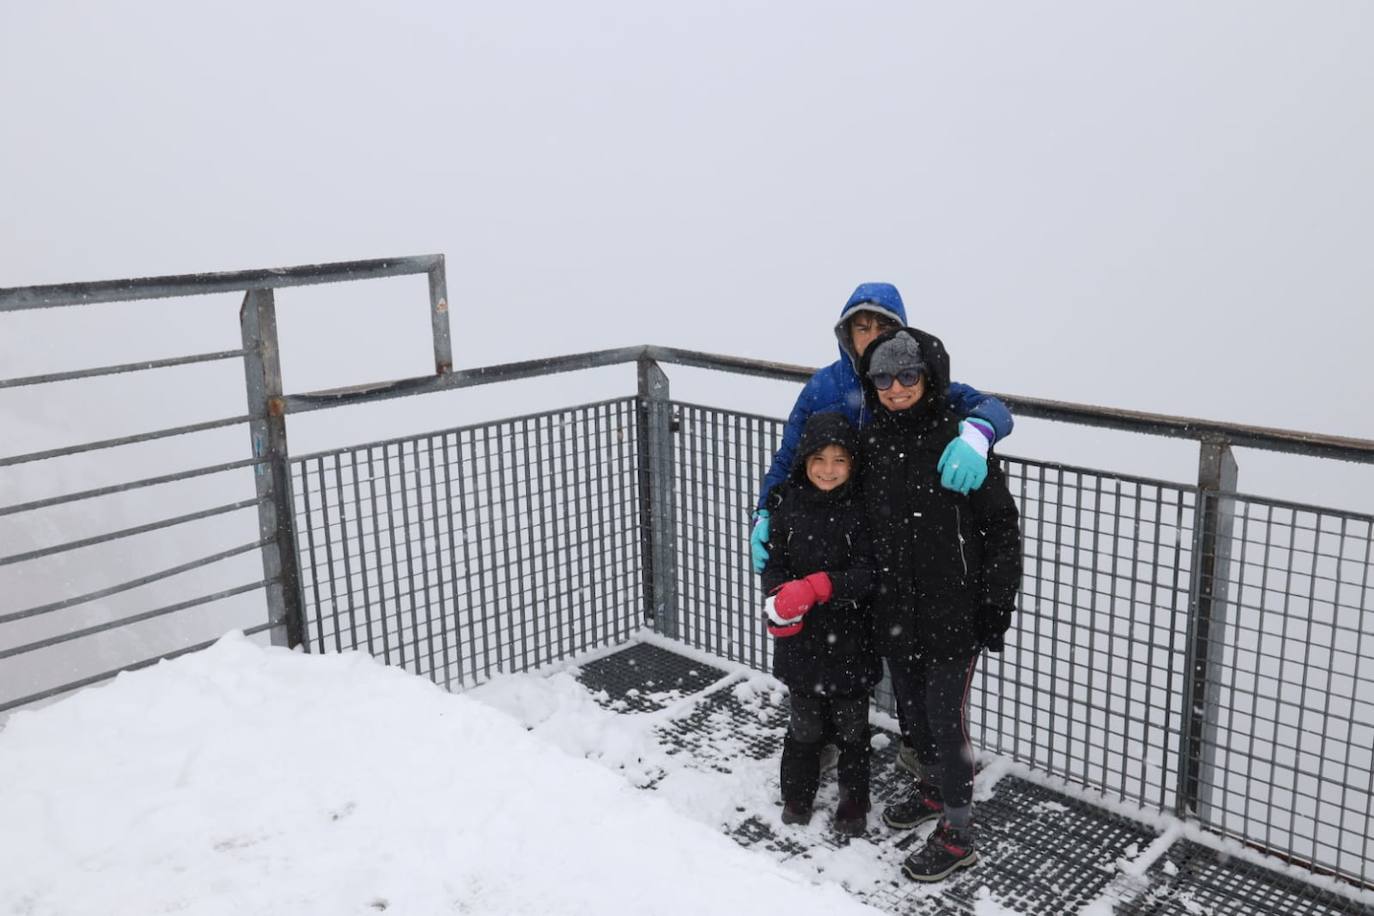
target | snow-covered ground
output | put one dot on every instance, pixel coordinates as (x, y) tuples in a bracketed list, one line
[(250, 780)]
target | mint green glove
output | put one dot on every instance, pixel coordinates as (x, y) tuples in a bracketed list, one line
[(964, 465), (758, 541)]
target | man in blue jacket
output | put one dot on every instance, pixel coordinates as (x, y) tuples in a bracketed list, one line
[(871, 310)]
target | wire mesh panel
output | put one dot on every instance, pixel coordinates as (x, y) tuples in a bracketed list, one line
[(495, 547), (718, 458), (1287, 759), (1090, 685)]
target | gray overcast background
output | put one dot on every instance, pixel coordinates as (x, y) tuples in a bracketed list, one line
[(1155, 205)]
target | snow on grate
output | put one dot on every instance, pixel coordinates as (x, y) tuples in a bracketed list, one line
[(1191, 879), (714, 757)]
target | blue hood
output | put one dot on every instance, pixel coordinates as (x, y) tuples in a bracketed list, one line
[(882, 298)]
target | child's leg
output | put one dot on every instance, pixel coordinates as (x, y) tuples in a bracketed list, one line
[(850, 717), (801, 750), (947, 687)]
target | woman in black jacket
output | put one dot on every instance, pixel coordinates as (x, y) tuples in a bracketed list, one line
[(818, 577), (950, 568)]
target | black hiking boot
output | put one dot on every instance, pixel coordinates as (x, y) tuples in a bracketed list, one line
[(946, 850), (924, 804), (796, 813), (851, 814)]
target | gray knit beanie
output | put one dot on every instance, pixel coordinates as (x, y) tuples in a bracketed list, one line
[(899, 352)]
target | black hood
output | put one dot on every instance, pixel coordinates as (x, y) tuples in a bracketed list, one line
[(822, 429), (936, 360)]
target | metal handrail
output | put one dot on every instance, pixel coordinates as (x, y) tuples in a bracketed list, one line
[(61, 294), (132, 583), (65, 450), (120, 369), (130, 532), (1200, 430)]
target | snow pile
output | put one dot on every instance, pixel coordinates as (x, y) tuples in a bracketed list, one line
[(243, 779)]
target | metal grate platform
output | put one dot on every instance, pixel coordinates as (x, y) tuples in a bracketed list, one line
[(644, 677), (1194, 879), (1042, 853)]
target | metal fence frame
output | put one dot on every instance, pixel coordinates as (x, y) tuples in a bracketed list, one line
[(672, 496)]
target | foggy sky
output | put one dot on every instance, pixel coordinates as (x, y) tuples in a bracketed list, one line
[(1159, 206)]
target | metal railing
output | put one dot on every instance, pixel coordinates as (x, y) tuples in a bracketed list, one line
[(1182, 647), (141, 612)]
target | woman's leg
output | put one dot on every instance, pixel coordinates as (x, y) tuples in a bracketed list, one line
[(926, 801), (947, 687), (909, 674)]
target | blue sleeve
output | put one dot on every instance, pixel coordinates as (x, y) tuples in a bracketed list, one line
[(787, 449), (970, 402)]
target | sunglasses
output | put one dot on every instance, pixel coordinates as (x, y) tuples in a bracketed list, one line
[(883, 380)]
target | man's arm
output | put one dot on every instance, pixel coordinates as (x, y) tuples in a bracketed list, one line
[(787, 448), (971, 403)]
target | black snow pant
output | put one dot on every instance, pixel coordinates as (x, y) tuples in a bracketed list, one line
[(814, 722), (932, 697)]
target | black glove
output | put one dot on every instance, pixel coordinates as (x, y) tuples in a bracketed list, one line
[(993, 622)]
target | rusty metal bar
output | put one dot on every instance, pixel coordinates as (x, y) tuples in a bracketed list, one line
[(438, 313), (267, 429)]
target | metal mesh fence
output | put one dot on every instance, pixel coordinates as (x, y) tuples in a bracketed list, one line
[(1094, 684), (496, 547), (1091, 683), (1287, 754), (717, 460)]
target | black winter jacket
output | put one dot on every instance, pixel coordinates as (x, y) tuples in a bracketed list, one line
[(945, 560), (815, 531)]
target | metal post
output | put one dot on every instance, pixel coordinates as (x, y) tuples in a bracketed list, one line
[(438, 314), (658, 527), (1213, 522), (276, 517)]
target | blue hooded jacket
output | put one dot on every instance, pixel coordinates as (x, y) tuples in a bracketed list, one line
[(836, 387)]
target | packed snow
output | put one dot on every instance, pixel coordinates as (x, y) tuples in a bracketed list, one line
[(250, 779), (253, 779)]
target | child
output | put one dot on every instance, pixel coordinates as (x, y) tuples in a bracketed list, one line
[(818, 577), (950, 570)]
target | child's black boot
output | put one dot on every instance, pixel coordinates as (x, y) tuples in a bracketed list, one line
[(794, 812), (851, 814)]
